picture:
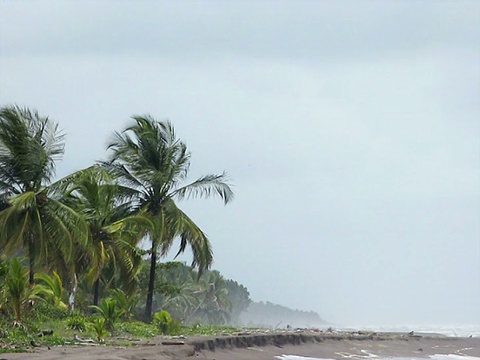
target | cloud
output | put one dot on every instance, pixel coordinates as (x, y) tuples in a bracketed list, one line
[(313, 31), (350, 131)]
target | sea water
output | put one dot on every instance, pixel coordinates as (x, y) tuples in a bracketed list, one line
[(433, 357), (447, 330)]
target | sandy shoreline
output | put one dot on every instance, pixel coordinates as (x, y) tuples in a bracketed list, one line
[(264, 347)]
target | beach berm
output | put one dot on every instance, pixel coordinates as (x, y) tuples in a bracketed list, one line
[(265, 346)]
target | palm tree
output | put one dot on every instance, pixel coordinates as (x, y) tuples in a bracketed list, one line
[(109, 310), (214, 306), (149, 158), (106, 207), (176, 285), (32, 219), (17, 291)]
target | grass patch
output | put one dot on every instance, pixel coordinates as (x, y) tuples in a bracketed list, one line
[(20, 338), (208, 330)]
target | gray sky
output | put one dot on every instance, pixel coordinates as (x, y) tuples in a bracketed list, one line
[(350, 128)]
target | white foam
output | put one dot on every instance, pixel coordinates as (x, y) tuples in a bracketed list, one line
[(434, 357), (453, 357), (296, 357), (447, 330)]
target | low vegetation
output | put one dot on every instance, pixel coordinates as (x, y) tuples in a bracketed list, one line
[(34, 315)]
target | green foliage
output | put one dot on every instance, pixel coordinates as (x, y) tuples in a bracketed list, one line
[(3, 270), (109, 310), (17, 290), (16, 337), (3, 273), (138, 329), (199, 329), (114, 228), (208, 299), (51, 289), (33, 220), (30, 144), (165, 322), (215, 306), (239, 298), (99, 325), (125, 302), (77, 322), (44, 311), (168, 290)]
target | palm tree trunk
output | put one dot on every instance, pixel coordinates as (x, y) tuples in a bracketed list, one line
[(151, 282), (31, 258), (96, 287), (73, 293)]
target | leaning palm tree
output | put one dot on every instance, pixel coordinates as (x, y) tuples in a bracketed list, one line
[(106, 207), (32, 219), (148, 157)]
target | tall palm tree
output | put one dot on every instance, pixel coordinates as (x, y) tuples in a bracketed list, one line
[(148, 157), (106, 207), (32, 219)]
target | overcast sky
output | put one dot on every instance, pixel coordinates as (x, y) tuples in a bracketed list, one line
[(351, 130)]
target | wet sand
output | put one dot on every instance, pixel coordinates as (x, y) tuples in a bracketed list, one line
[(354, 349), (264, 347)]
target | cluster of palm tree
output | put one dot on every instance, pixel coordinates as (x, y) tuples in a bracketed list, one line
[(206, 298), (86, 227)]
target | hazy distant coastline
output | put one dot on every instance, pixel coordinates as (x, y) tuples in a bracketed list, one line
[(270, 315)]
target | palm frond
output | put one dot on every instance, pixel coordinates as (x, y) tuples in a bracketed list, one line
[(206, 186), (29, 147), (191, 235)]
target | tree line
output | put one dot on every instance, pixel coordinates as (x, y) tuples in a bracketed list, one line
[(193, 298), (78, 237)]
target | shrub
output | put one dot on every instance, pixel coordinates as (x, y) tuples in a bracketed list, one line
[(125, 302), (165, 323), (100, 329), (76, 322), (44, 312), (109, 310)]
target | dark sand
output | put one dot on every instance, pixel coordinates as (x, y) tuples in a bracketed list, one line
[(354, 349), (265, 347)]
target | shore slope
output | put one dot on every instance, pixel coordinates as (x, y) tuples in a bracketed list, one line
[(264, 346)]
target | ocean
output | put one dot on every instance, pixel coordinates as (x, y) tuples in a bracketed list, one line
[(433, 357), (446, 330)]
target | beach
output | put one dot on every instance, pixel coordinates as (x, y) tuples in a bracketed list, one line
[(266, 346)]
